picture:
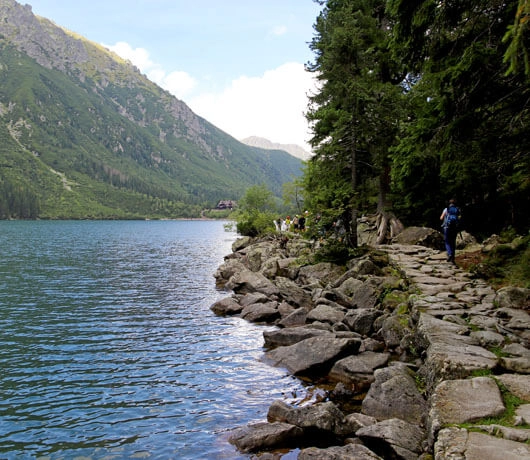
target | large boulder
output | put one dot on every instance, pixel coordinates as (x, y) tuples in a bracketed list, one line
[(358, 370), (394, 394), (264, 436), (362, 320), (246, 281), (422, 236), (322, 273), (463, 401), (227, 306), (394, 438), (325, 314), (261, 312), (292, 293), (321, 419), (314, 356), (513, 297)]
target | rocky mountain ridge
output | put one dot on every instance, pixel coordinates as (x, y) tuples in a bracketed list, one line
[(126, 147), (293, 149)]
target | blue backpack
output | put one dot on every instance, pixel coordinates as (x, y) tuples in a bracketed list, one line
[(453, 217)]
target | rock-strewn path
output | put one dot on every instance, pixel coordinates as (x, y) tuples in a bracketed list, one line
[(460, 319), (439, 361)]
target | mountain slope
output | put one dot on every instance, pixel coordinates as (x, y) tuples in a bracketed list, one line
[(87, 135)]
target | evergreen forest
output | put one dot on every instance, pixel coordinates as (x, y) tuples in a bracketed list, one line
[(421, 101)]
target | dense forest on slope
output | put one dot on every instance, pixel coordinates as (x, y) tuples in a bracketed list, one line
[(85, 135), (421, 102)]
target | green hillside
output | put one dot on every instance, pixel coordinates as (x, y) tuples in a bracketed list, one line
[(87, 136)]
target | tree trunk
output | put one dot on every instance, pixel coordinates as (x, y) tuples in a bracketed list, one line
[(388, 225)]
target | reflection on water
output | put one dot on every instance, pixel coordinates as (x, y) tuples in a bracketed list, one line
[(108, 348)]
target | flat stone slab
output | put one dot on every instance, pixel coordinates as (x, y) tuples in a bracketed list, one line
[(458, 443), (464, 401), (519, 385), (313, 356), (451, 353)]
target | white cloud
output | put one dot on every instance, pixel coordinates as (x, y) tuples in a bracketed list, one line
[(178, 83), (271, 106), (279, 30), (138, 56)]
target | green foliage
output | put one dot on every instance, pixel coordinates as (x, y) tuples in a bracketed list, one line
[(417, 105), (256, 212), (507, 264), (355, 114), (337, 251), (467, 119)]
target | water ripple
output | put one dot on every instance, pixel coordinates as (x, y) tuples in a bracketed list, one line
[(108, 348)]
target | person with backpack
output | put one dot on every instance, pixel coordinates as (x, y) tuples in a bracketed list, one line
[(450, 220)]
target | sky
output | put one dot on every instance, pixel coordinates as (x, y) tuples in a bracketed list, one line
[(237, 63)]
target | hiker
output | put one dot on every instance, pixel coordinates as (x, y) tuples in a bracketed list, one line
[(450, 219)]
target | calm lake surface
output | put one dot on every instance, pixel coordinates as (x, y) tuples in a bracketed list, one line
[(108, 348)]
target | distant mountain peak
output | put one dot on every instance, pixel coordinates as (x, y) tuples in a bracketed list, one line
[(293, 149)]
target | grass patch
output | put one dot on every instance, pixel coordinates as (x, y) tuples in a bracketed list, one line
[(507, 264)]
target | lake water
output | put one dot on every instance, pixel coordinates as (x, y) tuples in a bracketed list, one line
[(108, 348)]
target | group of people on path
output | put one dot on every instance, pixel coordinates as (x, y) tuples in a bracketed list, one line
[(450, 218), (297, 224)]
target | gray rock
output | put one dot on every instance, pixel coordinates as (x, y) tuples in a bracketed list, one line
[(458, 443), (450, 353), (314, 356), (393, 330), (358, 370), (394, 395), (522, 414), (326, 314), (362, 320), (252, 298), (513, 297), (291, 335), (518, 359), (296, 318), (226, 270), (261, 312), (292, 293), (349, 286), (317, 418), (355, 421), (461, 401), (393, 438), (262, 436), (227, 306), (246, 281), (422, 236), (347, 452), (241, 243), (322, 273), (519, 385), (288, 268), (488, 338), (367, 295), (506, 432)]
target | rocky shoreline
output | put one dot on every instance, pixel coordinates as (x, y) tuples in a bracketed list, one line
[(419, 359)]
